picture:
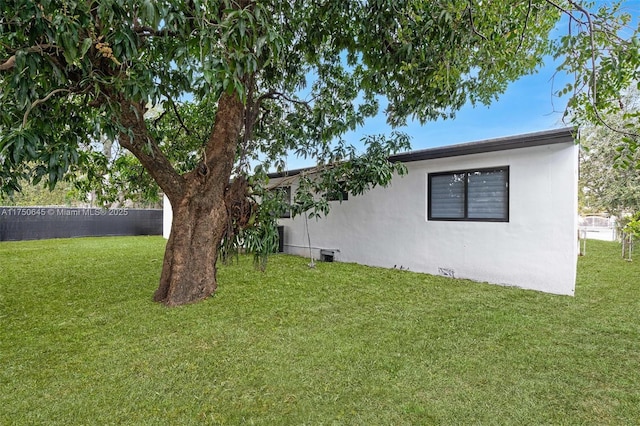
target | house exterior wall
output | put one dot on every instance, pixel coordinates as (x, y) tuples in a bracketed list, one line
[(167, 217), (388, 227)]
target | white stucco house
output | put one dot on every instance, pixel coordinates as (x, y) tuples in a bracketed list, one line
[(502, 211)]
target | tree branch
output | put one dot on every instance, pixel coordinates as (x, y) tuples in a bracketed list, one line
[(593, 86), (138, 141), (524, 30), (593, 52), (565, 11), (179, 117), (473, 27), (220, 149), (277, 95), (40, 101), (11, 62), (8, 64)]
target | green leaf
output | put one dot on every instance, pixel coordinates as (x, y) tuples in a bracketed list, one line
[(53, 177), (31, 151), (242, 28), (70, 50), (18, 145), (149, 12), (86, 45)]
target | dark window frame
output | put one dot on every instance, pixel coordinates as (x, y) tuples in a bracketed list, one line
[(465, 217)]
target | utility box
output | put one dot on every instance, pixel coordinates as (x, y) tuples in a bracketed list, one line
[(327, 255)]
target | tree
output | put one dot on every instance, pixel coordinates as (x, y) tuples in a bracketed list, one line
[(609, 168), (603, 52), (39, 195), (241, 81)]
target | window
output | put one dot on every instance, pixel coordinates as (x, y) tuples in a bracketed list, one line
[(285, 193), (470, 195)]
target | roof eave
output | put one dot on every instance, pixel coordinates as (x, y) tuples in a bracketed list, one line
[(549, 137), (528, 140)]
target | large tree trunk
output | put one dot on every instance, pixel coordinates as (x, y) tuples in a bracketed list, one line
[(200, 214), (189, 268), (198, 199)]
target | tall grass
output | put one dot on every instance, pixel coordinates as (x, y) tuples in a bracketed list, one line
[(82, 343)]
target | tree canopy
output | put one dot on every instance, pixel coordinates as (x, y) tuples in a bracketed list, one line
[(307, 71), (236, 83)]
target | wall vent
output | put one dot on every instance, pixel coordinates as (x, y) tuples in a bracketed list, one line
[(327, 255)]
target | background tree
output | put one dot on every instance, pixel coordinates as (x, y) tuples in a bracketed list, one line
[(602, 50), (263, 78), (609, 168), (64, 194)]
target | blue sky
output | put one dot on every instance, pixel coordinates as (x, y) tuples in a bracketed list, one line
[(528, 105)]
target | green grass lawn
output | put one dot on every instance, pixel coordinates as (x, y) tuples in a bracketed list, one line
[(81, 342)]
